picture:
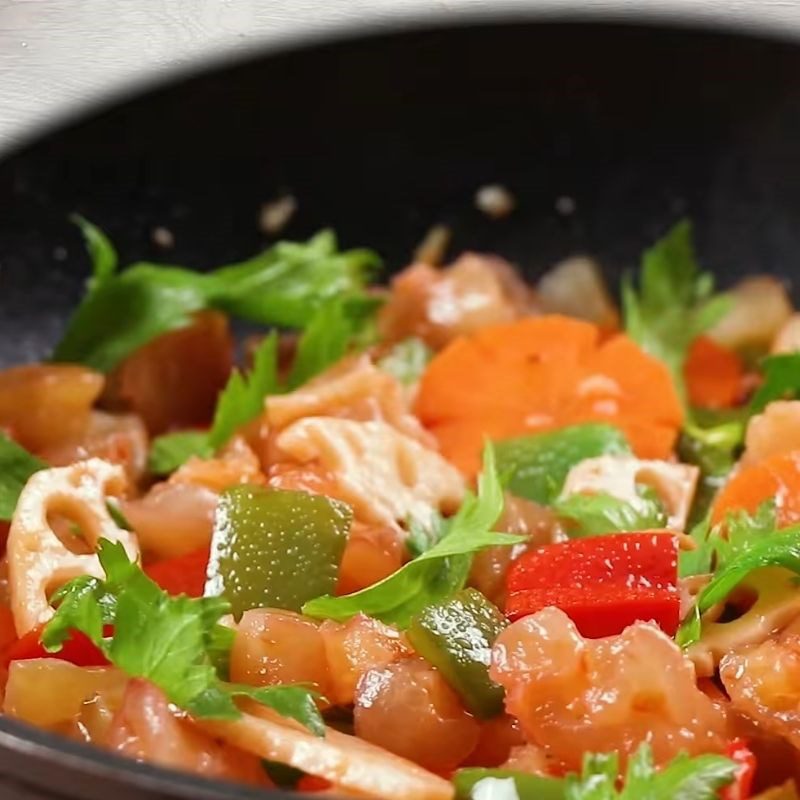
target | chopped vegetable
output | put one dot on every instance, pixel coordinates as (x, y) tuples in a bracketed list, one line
[(596, 514), (101, 252), (439, 571), (456, 636), (174, 642), (684, 778), (775, 477), (603, 583), (747, 544), (285, 285), (275, 549), (540, 374), (477, 783), (407, 360), (674, 304), (182, 574), (16, 466), (537, 465), (713, 375), (78, 649), (742, 755), (169, 451), (781, 380)]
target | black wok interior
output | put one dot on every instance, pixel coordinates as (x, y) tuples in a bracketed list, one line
[(381, 137)]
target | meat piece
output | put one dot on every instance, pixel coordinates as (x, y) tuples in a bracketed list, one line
[(760, 308), (356, 646), (116, 438), (173, 381), (439, 305), (47, 405), (148, 728), (409, 709), (763, 682), (575, 287), (385, 476), (278, 647), (574, 695), (775, 431)]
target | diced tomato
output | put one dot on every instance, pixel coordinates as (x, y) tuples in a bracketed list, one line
[(738, 751), (78, 650), (603, 583), (183, 574)]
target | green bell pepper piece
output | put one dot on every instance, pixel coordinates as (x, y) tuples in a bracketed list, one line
[(456, 636), (537, 465), (275, 549)]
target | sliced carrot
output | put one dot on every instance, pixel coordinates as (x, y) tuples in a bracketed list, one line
[(714, 375), (542, 373), (776, 477)]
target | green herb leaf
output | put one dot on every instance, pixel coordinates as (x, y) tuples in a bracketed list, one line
[(750, 542), (674, 303), (477, 783), (242, 399), (128, 310), (684, 778), (407, 360), (101, 251), (439, 571), (596, 514), (16, 467), (174, 642), (424, 535), (781, 380), (326, 339), (286, 285), (169, 451), (537, 465)]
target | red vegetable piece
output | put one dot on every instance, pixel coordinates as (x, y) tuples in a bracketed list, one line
[(313, 783), (183, 574), (603, 583), (738, 751), (78, 650)]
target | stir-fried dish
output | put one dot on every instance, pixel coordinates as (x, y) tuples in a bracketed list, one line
[(454, 537)]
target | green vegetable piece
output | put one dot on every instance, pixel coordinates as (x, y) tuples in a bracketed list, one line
[(675, 301), (439, 571), (407, 360), (456, 636), (781, 380), (596, 514), (16, 466), (504, 784), (538, 465), (274, 548)]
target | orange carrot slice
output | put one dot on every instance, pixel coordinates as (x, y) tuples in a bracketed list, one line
[(775, 477), (713, 375), (542, 373)]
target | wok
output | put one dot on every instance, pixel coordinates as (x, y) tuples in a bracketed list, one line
[(379, 137)]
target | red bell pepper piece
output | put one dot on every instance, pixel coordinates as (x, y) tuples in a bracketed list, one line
[(313, 783), (740, 789), (181, 575), (78, 650), (603, 583)]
